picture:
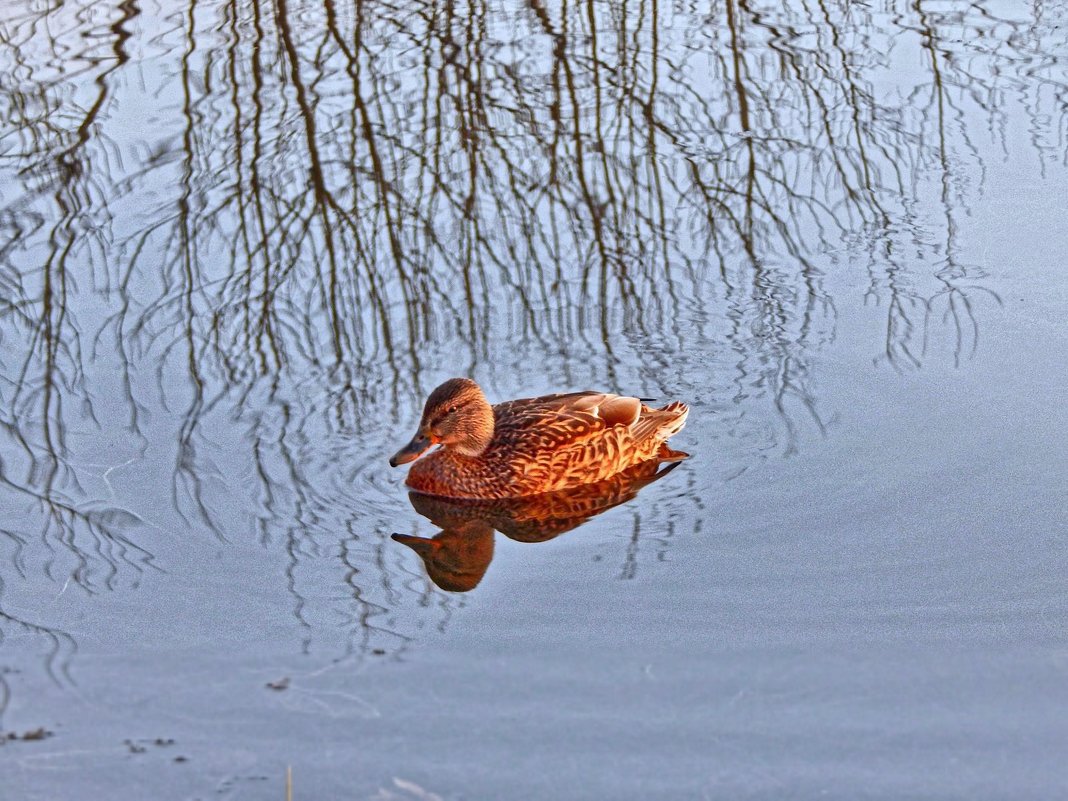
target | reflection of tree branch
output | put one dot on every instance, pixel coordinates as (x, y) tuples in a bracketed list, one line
[(910, 314), (62, 649), (52, 366)]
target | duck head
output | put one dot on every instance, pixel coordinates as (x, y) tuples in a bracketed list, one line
[(456, 416)]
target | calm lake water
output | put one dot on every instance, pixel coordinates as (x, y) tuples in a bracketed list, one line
[(241, 241)]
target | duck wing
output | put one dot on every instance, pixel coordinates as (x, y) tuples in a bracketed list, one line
[(560, 440), (556, 421)]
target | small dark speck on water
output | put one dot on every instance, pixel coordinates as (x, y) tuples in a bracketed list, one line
[(278, 686), (33, 734)]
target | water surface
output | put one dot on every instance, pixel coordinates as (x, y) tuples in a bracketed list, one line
[(241, 241)]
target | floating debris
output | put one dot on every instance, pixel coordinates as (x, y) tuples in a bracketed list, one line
[(28, 736)]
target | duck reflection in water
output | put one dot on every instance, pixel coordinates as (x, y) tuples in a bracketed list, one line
[(456, 559)]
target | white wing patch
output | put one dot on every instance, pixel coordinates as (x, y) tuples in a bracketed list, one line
[(615, 410), (620, 411)]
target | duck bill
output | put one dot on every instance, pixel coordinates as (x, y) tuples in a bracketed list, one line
[(421, 545), (412, 451)]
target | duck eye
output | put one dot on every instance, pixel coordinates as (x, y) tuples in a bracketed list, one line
[(451, 409)]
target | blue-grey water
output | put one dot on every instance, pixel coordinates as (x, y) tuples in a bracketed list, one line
[(240, 241)]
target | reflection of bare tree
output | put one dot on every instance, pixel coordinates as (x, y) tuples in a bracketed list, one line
[(50, 230), (942, 121), (256, 240)]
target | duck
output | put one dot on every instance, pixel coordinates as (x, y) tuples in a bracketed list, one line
[(531, 446)]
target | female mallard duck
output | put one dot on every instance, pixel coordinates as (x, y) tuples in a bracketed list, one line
[(532, 445)]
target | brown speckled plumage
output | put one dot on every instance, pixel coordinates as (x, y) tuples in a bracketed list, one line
[(533, 445)]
